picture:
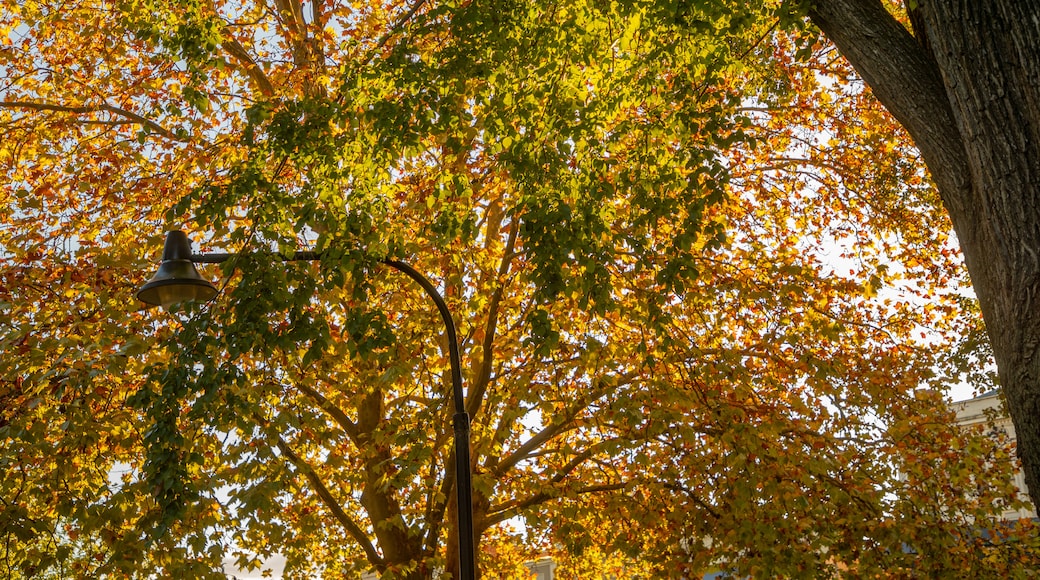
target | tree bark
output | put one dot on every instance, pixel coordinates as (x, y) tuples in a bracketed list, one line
[(397, 542), (971, 102)]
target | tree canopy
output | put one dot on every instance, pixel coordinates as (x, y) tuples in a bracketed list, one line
[(709, 299)]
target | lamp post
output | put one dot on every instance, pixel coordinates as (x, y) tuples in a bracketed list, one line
[(179, 281)]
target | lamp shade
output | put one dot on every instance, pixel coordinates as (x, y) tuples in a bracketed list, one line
[(177, 279)]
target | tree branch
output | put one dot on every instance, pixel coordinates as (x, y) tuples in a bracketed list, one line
[(550, 431), (480, 385), (516, 508), (531, 444), (335, 412), (147, 123), (512, 508), (393, 30), (247, 64), (244, 61), (323, 492), (437, 504), (694, 497)]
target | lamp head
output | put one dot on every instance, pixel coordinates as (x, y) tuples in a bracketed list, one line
[(177, 279)]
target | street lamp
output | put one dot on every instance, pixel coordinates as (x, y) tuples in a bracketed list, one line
[(179, 281)]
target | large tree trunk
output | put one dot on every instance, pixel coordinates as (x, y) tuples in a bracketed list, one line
[(971, 101)]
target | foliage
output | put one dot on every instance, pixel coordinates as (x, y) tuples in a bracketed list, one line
[(704, 322)]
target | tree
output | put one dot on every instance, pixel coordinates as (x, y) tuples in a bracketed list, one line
[(664, 374), (964, 86)]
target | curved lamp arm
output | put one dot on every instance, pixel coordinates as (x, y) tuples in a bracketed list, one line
[(463, 474), (178, 281)]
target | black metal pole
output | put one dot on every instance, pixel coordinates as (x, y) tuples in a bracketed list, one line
[(460, 421), (463, 474)]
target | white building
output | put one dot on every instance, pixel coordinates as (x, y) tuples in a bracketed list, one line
[(974, 412), (543, 568)]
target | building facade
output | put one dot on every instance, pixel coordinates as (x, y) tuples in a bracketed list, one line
[(977, 411)]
